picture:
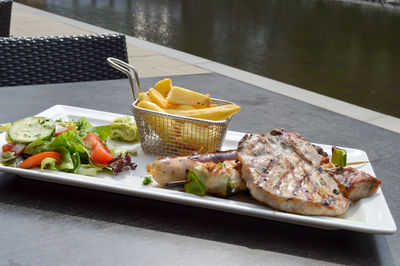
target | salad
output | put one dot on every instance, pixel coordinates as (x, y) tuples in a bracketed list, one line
[(70, 146)]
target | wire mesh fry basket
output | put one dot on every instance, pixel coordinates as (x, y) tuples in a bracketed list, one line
[(167, 134)]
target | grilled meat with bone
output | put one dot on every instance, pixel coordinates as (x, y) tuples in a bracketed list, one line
[(353, 184), (284, 172)]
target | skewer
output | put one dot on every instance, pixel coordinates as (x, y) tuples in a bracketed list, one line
[(360, 162), (176, 183)]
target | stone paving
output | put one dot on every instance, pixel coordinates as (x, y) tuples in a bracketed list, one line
[(148, 63)]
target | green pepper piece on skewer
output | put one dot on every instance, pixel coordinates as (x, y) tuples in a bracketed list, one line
[(229, 187), (194, 184), (220, 164), (339, 156)]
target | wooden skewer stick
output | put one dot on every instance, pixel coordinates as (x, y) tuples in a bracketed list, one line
[(360, 162)]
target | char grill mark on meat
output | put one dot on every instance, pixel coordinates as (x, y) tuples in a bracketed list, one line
[(308, 151), (279, 173), (353, 184)]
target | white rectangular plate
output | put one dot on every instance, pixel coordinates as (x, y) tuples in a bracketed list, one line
[(370, 215)]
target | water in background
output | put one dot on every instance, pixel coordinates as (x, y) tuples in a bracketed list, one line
[(344, 50)]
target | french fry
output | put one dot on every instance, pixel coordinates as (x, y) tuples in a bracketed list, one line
[(174, 106), (157, 98), (215, 113), (163, 86), (167, 130), (178, 95), (184, 107), (195, 136), (144, 97), (150, 106), (183, 136)]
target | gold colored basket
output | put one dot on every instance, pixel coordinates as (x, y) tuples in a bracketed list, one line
[(167, 134)]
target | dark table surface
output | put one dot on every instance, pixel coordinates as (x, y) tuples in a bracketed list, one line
[(50, 224)]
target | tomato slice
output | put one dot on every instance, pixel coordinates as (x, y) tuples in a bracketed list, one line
[(99, 153), (13, 147), (8, 146), (37, 159)]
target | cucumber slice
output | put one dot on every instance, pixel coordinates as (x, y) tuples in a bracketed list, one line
[(29, 129)]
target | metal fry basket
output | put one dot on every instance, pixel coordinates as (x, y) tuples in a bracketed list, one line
[(166, 134)]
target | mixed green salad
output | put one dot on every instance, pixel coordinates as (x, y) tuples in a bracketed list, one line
[(70, 146)]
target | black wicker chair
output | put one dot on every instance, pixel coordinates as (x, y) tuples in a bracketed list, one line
[(5, 17), (44, 60)]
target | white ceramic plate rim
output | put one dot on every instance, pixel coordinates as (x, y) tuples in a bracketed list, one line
[(370, 215)]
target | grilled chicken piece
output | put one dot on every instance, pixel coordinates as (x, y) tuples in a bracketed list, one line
[(355, 184), (280, 172), (169, 169), (219, 180), (174, 168)]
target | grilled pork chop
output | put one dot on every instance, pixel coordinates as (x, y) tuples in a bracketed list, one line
[(282, 170), (353, 184)]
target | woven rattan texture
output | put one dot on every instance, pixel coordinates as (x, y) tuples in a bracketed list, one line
[(59, 59), (5, 17)]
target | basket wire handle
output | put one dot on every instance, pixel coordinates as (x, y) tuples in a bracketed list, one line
[(127, 69)]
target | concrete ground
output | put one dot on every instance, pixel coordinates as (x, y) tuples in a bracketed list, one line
[(147, 62), (152, 60)]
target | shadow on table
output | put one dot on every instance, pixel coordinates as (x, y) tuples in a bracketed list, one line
[(343, 247)]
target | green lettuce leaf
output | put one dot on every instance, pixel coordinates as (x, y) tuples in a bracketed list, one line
[(71, 141), (76, 160), (9, 159), (66, 165), (83, 124), (102, 131), (48, 163), (37, 146), (89, 170)]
